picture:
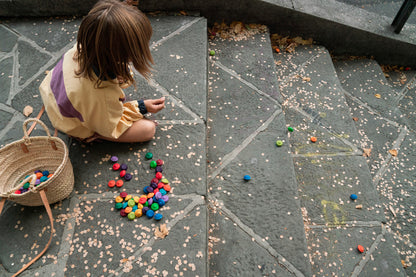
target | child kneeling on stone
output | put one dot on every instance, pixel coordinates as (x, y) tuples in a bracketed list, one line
[(83, 94)]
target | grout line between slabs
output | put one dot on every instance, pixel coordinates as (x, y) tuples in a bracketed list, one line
[(63, 252), (250, 85), (349, 224), (405, 90), (396, 145), (302, 66), (338, 154), (178, 31), (369, 253), (16, 88), (370, 109), (345, 141), (233, 154), (178, 102), (281, 260)]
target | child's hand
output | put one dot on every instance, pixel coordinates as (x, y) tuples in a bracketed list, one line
[(154, 105)]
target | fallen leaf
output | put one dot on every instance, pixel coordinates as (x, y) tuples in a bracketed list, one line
[(302, 41), (404, 264), (183, 13), (392, 211), (291, 47), (367, 152), (355, 118), (161, 231), (360, 206), (393, 152), (28, 110), (237, 27), (377, 96), (124, 260), (307, 79)]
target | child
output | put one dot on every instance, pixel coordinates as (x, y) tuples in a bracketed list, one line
[(83, 94)]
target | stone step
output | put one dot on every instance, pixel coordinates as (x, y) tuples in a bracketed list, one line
[(256, 226), (387, 124), (331, 169)]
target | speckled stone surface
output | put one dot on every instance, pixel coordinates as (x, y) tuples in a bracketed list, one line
[(325, 186), (26, 231), (350, 156), (91, 238), (234, 253), (243, 99), (387, 130), (334, 251)]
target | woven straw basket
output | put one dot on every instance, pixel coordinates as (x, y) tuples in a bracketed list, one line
[(23, 157)]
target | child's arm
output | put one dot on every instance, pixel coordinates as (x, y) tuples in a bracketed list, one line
[(151, 105)]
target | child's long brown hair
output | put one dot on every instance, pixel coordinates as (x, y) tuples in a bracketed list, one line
[(111, 36)]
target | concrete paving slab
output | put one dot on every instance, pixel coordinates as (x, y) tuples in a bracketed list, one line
[(174, 111), (334, 252), (325, 185), (396, 188), (376, 133), (271, 171), (30, 95), (6, 65), (365, 81), (316, 93), (387, 8), (9, 39), (250, 59), (384, 260), (7, 116), (384, 134), (328, 142), (28, 230), (406, 105), (181, 68), (181, 147), (109, 244), (165, 25), (234, 253), (50, 34), (181, 253), (13, 131), (234, 108), (288, 64)]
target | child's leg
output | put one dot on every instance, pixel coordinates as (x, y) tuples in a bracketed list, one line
[(141, 130)]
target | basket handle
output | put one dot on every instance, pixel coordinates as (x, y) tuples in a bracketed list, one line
[(49, 211), (27, 133), (29, 179)]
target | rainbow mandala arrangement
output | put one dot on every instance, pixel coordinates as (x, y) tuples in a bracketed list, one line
[(154, 195)]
